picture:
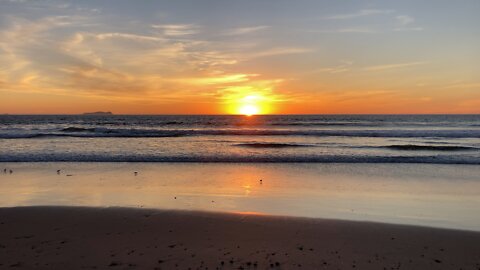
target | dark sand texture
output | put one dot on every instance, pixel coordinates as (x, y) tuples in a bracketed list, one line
[(120, 238)]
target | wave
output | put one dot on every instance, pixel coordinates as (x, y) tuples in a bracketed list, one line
[(140, 133), (413, 147), (67, 157), (77, 129), (271, 145), (326, 124)]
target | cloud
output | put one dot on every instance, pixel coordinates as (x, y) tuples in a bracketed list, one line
[(36, 56), (344, 66), (177, 29), (360, 13), (246, 30), (405, 20), (360, 30), (61, 55), (406, 23), (279, 51), (393, 66), (26, 43), (225, 79), (135, 37)]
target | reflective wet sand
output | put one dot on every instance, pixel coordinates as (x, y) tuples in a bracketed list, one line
[(431, 195)]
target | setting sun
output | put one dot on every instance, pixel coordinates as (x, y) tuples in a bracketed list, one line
[(250, 102), (248, 110)]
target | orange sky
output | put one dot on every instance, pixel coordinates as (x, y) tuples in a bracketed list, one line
[(163, 58)]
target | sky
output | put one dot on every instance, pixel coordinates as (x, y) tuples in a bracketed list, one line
[(247, 57)]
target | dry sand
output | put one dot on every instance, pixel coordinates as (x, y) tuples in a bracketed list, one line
[(121, 238)]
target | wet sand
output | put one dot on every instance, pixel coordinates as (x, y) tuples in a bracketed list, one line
[(128, 238), (442, 196)]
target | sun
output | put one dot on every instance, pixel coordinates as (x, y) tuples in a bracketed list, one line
[(249, 110), (248, 103)]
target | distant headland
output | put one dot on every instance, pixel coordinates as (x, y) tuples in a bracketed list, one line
[(98, 113)]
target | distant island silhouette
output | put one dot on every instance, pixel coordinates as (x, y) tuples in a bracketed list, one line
[(98, 113)]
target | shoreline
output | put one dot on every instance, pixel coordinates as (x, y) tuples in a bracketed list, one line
[(186, 161), (130, 238)]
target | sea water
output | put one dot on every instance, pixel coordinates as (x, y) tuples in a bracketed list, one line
[(435, 139)]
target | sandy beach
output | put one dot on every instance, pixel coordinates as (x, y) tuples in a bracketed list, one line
[(126, 238)]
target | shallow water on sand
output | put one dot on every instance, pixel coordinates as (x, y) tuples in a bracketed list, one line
[(421, 194)]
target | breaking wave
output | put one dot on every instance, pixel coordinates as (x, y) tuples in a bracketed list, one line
[(413, 147), (140, 133)]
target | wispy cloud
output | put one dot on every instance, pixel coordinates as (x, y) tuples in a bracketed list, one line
[(360, 13), (344, 66), (402, 22), (279, 51), (42, 56), (405, 20), (246, 30), (359, 30), (128, 36), (36, 56), (406, 23), (394, 66), (177, 29), (225, 79)]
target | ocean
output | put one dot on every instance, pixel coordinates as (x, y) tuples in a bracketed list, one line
[(433, 139), (402, 169)]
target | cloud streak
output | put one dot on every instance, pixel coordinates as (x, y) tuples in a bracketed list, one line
[(405, 20), (279, 51), (177, 29), (344, 66), (394, 66), (360, 13), (358, 30), (406, 23), (246, 30)]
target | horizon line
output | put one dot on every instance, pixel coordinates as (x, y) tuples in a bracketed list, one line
[(172, 114)]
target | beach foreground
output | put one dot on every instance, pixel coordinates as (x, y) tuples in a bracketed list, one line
[(126, 238), (431, 195)]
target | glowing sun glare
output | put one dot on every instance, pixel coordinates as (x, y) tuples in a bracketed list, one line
[(249, 110)]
